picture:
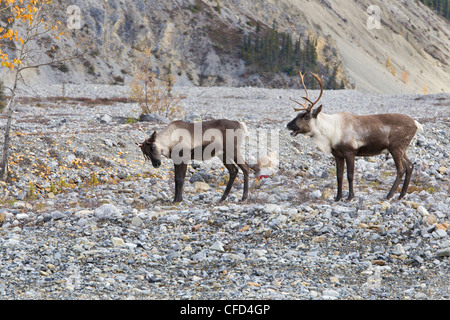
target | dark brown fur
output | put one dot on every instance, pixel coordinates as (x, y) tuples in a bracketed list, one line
[(363, 136)]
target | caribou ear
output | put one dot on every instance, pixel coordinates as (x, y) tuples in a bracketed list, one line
[(153, 137), (316, 112)]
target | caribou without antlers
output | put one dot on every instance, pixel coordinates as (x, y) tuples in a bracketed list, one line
[(347, 136), (182, 142)]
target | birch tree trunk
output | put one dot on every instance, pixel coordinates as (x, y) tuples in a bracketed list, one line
[(11, 108)]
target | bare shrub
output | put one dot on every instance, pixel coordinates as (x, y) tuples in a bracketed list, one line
[(154, 95)]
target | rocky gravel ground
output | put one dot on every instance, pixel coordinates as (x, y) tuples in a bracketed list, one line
[(83, 216)]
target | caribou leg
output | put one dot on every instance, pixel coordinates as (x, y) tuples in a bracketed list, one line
[(399, 164), (340, 163), (350, 161), (180, 174), (245, 170), (409, 169), (232, 168)]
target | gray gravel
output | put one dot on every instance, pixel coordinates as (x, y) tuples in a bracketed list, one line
[(85, 217)]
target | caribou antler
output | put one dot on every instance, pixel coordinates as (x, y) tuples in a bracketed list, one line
[(302, 77), (321, 89), (142, 130), (312, 104), (135, 141)]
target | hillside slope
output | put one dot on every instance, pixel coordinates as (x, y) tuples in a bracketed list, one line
[(199, 42)]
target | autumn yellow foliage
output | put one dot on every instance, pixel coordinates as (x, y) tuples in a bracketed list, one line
[(390, 67), (18, 11), (25, 22)]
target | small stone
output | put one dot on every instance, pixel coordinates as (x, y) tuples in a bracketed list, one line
[(443, 252), (196, 278), (439, 233), (105, 119), (117, 241), (12, 242), (107, 211), (422, 211), (107, 142), (430, 219), (22, 216), (418, 259), (273, 209), (385, 206), (334, 279), (233, 256), (185, 237), (258, 253), (153, 117), (444, 226), (420, 295), (330, 294), (151, 279), (217, 246), (398, 250), (58, 215), (223, 208), (71, 158), (254, 284), (244, 228), (379, 262), (200, 256), (201, 176), (316, 194), (414, 205), (318, 239), (136, 221), (84, 212), (201, 186), (442, 170), (78, 248), (82, 222)]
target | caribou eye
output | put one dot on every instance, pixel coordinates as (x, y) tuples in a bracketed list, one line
[(305, 116), (152, 147)]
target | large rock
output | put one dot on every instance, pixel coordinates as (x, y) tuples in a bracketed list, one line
[(107, 211), (152, 117)]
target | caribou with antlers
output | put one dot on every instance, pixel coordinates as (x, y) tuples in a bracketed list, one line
[(347, 136), (182, 142)]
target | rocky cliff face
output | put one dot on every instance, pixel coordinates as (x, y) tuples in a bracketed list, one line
[(199, 42)]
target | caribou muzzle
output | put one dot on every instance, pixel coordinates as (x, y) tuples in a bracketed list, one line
[(294, 128), (156, 163)]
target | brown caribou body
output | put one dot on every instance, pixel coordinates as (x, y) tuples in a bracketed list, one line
[(182, 142), (347, 136)]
